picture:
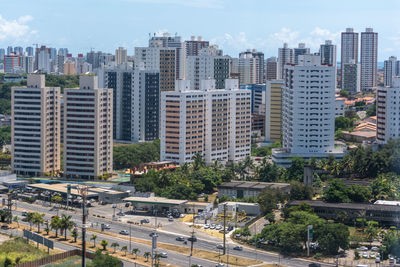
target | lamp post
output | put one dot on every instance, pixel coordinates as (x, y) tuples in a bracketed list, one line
[(83, 191)]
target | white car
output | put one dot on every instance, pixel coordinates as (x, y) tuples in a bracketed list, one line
[(124, 232), (206, 226), (372, 255), (374, 249), (212, 226), (365, 254), (218, 227), (220, 246), (164, 255), (363, 248)]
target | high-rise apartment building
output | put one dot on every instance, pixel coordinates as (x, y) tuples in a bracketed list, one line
[(121, 56), (88, 142), (215, 123), (18, 50), (328, 53), (160, 59), (193, 47), (69, 68), (29, 51), (12, 63), (2, 54), (308, 111), (285, 56), (60, 64), (351, 73), (273, 110), (387, 112), (391, 68), (271, 69), (10, 50), (136, 97), (208, 64), (300, 50), (35, 130), (27, 65), (250, 66), (369, 59), (349, 49)]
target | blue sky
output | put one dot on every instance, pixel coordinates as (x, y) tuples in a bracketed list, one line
[(234, 25)]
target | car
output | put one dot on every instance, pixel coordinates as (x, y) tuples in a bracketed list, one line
[(124, 232), (240, 248), (114, 206), (374, 249), (127, 205), (206, 226), (212, 226), (372, 255), (180, 238), (220, 265), (365, 254), (4, 227), (397, 260), (107, 227), (171, 219), (220, 246), (224, 231), (164, 255), (24, 213), (230, 228), (144, 221), (391, 259), (192, 239), (377, 260), (218, 227), (313, 264), (363, 248)]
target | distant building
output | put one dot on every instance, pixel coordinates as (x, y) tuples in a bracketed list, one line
[(35, 135), (300, 50), (69, 68), (271, 69), (12, 63), (257, 97), (250, 66), (121, 55), (391, 68), (339, 106), (285, 56), (88, 142), (206, 122), (369, 59), (351, 75), (349, 49), (328, 53)]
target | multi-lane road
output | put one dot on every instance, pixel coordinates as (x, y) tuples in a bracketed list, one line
[(175, 258)]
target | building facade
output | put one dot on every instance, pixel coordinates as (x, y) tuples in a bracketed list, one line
[(271, 69), (121, 56), (298, 51), (349, 49), (391, 68), (351, 75), (285, 56), (215, 123), (35, 129), (308, 115), (88, 126), (328, 53), (369, 59), (273, 111)]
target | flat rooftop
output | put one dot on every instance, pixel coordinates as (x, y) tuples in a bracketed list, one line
[(252, 185), (62, 188), (155, 200), (352, 206)]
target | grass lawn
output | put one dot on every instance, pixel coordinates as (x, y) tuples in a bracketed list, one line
[(18, 250)]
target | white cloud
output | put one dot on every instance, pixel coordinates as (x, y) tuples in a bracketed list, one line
[(238, 42), (13, 30), (187, 3)]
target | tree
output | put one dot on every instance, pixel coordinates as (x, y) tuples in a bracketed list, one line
[(270, 217), (93, 237), (336, 192), (7, 262), (56, 199), (332, 236), (246, 232), (371, 230), (124, 248), (269, 198), (128, 156), (344, 93), (16, 219), (74, 234), (104, 244), (55, 224), (29, 219), (104, 260), (135, 251), (38, 218), (299, 191), (114, 245), (296, 169), (147, 255), (198, 161), (66, 224)]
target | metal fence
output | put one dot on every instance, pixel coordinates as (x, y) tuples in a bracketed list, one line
[(55, 257)]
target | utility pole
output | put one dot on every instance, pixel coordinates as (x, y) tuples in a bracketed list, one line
[(191, 241), (9, 204), (224, 229), (83, 191)]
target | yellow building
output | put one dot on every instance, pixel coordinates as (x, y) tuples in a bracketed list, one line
[(69, 68), (273, 110)]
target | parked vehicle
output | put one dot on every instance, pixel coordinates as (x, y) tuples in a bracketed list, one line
[(206, 226), (218, 227), (363, 248), (144, 221), (107, 227), (171, 219), (365, 254), (127, 205), (4, 227), (124, 232), (180, 238), (24, 213)]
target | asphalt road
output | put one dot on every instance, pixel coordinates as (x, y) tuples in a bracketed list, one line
[(167, 237)]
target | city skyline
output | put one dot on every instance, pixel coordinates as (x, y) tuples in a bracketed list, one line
[(233, 27)]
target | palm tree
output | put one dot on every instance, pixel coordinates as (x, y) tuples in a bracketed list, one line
[(66, 224), (29, 219), (104, 244), (147, 255), (135, 251), (124, 248), (55, 224), (16, 219), (74, 234), (241, 170), (248, 163), (38, 219), (216, 166), (115, 245), (198, 161), (93, 237)]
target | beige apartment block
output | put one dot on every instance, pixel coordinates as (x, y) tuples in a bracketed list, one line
[(273, 111), (88, 134), (35, 129)]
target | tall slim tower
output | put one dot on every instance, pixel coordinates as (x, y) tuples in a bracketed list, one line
[(390, 70), (121, 55), (369, 59), (35, 128), (300, 50), (349, 48), (328, 53), (285, 55)]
